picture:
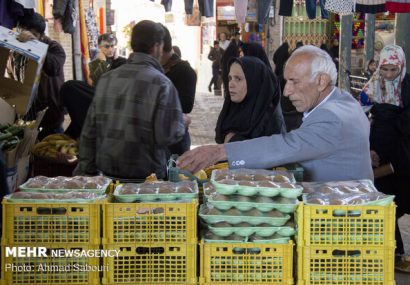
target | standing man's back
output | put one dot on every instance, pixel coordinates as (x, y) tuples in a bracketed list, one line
[(135, 114)]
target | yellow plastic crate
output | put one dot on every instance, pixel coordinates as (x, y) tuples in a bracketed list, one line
[(159, 264), (346, 225), (51, 270), (246, 263), (51, 223), (150, 222), (368, 265)]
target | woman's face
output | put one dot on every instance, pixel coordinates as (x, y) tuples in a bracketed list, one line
[(237, 83), (389, 71)]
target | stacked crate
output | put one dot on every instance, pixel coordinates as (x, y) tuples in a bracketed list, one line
[(233, 254), (55, 227), (346, 244), (157, 243)]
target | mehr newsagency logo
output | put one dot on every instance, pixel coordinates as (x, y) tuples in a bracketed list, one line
[(75, 258)]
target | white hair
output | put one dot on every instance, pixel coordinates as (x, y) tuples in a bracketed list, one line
[(321, 62)]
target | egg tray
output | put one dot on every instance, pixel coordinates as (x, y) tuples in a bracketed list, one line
[(282, 190), (274, 239), (45, 201), (100, 190), (233, 201), (284, 231), (253, 220), (380, 199), (171, 197), (340, 187)]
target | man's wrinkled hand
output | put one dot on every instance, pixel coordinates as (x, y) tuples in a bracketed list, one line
[(201, 157)]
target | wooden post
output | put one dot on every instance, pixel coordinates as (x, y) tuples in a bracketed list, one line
[(402, 35), (345, 51), (369, 40)]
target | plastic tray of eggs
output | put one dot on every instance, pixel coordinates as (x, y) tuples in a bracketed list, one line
[(249, 182), (210, 237), (156, 191), (254, 217), (97, 184), (246, 203), (244, 229), (54, 197)]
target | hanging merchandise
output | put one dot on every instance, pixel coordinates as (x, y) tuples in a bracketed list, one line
[(167, 5), (398, 6), (311, 9), (206, 7), (341, 8), (263, 7), (241, 7), (285, 8), (193, 19), (370, 6), (10, 11), (28, 4), (65, 12), (92, 32), (189, 5)]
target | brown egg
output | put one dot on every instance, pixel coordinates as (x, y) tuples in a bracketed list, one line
[(247, 183), (213, 212), (72, 184), (357, 201), (228, 182), (274, 214), (287, 185), (243, 199), (365, 189), (126, 191), (281, 178), (165, 190), (261, 177), (222, 225), (243, 225), (336, 201), (261, 199), (147, 190), (91, 185), (219, 197), (34, 184), (326, 190), (268, 184), (243, 176), (316, 201), (54, 185), (253, 213), (233, 212), (184, 189), (41, 179)]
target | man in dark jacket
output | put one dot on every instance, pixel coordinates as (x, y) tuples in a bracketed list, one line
[(135, 114), (52, 75), (215, 55), (184, 79)]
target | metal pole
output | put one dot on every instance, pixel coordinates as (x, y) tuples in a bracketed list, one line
[(78, 72), (402, 35), (345, 51), (369, 32)]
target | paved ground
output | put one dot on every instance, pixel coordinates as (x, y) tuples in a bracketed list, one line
[(202, 130)]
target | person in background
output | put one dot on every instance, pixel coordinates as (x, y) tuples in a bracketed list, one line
[(334, 50), (332, 144), (298, 45), (252, 107), (371, 68), (232, 51), (134, 116), (223, 41), (256, 50), (32, 27), (325, 48), (177, 51), (77, 95), (184, 79), (237, 38), (107, 58), (293, 118), (215, 55), (388, 91)]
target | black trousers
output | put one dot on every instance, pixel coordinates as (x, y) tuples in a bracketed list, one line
[(77, 97), (215, 78)]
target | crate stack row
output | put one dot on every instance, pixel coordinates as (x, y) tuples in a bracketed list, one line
[(154, 228), (247, 227), (346, 235), (45, 215)]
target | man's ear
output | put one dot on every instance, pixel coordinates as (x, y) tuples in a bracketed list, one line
[(323, 81)]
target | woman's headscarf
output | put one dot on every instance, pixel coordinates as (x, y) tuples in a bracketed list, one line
[(280, 57), (256, 50), (379, 90), (259, 114)]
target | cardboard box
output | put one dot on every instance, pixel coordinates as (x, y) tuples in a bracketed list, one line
[(16, 98), (20, 95)]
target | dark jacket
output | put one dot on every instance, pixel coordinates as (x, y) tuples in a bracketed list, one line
[(390, 130), (65, 10), (52, 77)]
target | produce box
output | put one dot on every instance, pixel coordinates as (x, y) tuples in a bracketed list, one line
[(17, 96)]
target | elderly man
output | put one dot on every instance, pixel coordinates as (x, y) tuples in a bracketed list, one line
[(135, 114), (332, 142)]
